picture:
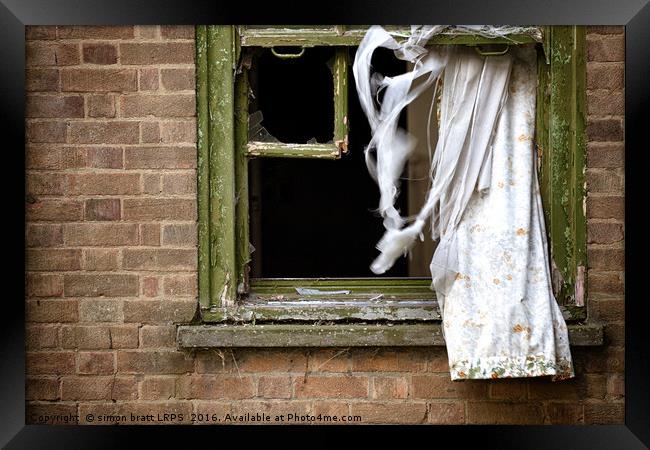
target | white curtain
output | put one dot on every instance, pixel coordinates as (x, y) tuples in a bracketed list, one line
[(490, 269)]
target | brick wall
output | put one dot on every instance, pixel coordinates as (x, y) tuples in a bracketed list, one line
[(111, 258)]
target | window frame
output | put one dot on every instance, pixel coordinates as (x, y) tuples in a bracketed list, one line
[(223, 154)]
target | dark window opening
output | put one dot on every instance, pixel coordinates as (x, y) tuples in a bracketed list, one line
[(316, 218)]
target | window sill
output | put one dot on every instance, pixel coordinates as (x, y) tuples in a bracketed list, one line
[(341, 335)]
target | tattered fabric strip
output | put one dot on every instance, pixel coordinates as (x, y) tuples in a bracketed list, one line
[(475, 91)]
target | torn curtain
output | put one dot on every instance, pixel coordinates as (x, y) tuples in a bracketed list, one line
[(490, 269)]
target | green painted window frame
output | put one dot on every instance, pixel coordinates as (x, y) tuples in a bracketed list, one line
[(226, 295)]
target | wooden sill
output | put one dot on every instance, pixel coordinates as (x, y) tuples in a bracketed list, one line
[(340, 335)]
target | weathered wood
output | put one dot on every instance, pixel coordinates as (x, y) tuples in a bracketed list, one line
[(324, 36), (241, 181), (358, 335), (203, 165), (565, 193), (220, 52), (284, 150), (340, 73)]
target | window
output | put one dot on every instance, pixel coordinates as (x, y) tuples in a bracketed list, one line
[(242, 140)]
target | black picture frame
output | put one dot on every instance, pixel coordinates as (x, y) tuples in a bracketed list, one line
[(634, 14)]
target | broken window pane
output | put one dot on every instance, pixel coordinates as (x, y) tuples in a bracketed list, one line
[(316, 218), (292, 99)]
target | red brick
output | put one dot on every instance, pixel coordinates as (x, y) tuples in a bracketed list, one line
[(41, 336), (614, 334), (565, 413), (608, 309), (150, 132), (101, 106), (50, 413), (178, 79), (387, 361), (159, 209), (170, 105), (160, 158), (545, 389), (330, 408), (85, 337), (183, 131), (273, 408), (179, 183), (123, 336), (605, 129), (181, 285), (180, 235), (45, 32), (157, 336), (44, 235), (274, 386), (604, 102), (100, 310), (505, 413), (606, 154), (49, 363), (152, 183), (54, 106), (95, 363), (606, 259), (606, 207), (86, 388), (316, 386), (605, 29), (103, 209), (147, 31), (100, 234), (51, 54), (604, 232), (99, 53), (158, 388), (215, 387), (177, 31), (41, 80), (441, 386), (41, 183), (616, 385), (104, 184), (95, 32), (389, 388), (98, 80), (41, 388), (159, 259), (604, 413), (45, 156), (605, 75), (153, 53), (150, 287), (51, 131), (605, 48), (53, 259), (509, 389), (44, 285), (148, 79), (104, 132), (446, 413), (100, 259), (106, 285), (57, 310), (384, 413), (605, 181), (158, 312), (153, 362), (105, 157), (265, 360)]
